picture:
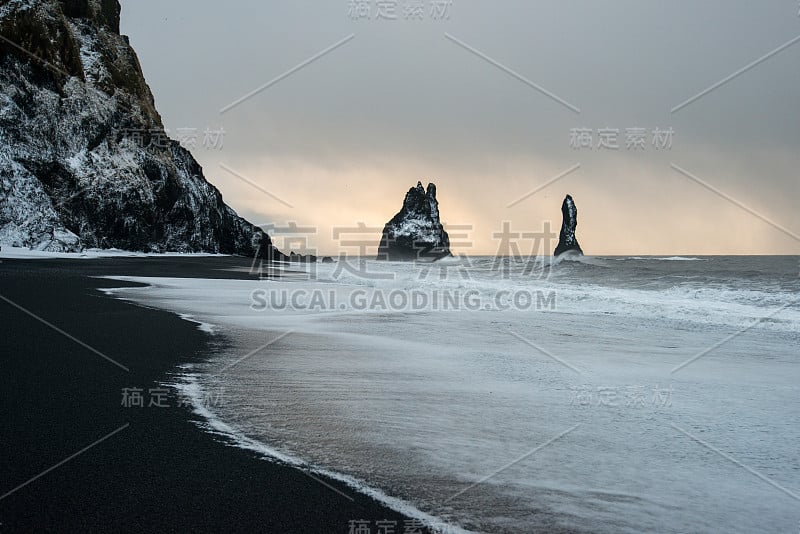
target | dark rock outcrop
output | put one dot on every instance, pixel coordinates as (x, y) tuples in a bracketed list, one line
[(84, 159), (567, 240), (302, 258), (415, 232)]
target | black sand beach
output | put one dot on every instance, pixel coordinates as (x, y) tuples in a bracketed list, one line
[(158, 471)]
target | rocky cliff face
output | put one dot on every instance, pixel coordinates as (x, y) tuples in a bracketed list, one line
[(567, 240), (415, 232), (84, 159)]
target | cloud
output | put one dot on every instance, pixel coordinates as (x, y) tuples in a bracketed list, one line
[(345, 136)]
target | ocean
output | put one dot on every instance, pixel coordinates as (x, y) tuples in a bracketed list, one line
[(582, 394)]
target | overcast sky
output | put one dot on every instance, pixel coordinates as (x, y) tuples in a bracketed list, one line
[(341, 139)]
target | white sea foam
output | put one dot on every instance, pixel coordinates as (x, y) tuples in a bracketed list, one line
[(190, 388), (719, 304), (202, 326), (669, 258), (421, 405), (9, 252)]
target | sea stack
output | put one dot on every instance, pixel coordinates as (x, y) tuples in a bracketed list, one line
[(416, 231), (567, 240), (85, 160)]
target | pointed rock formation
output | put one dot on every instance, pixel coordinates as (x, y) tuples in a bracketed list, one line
[(84, 157), (415, 232), (567, 240)]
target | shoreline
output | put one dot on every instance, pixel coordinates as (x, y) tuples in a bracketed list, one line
[(147, 467), (298, 388), (214, 424)]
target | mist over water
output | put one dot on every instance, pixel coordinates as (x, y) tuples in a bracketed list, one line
[(634, 401)]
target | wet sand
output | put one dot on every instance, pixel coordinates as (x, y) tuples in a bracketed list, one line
[(147, 468)]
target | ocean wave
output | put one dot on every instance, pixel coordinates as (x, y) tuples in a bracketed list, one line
[(189, 387), (663, 258)]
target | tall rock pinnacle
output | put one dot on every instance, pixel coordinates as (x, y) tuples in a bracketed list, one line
[(567, 240), (416, 231)]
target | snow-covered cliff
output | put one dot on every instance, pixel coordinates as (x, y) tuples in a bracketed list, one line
[(84, 159)]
